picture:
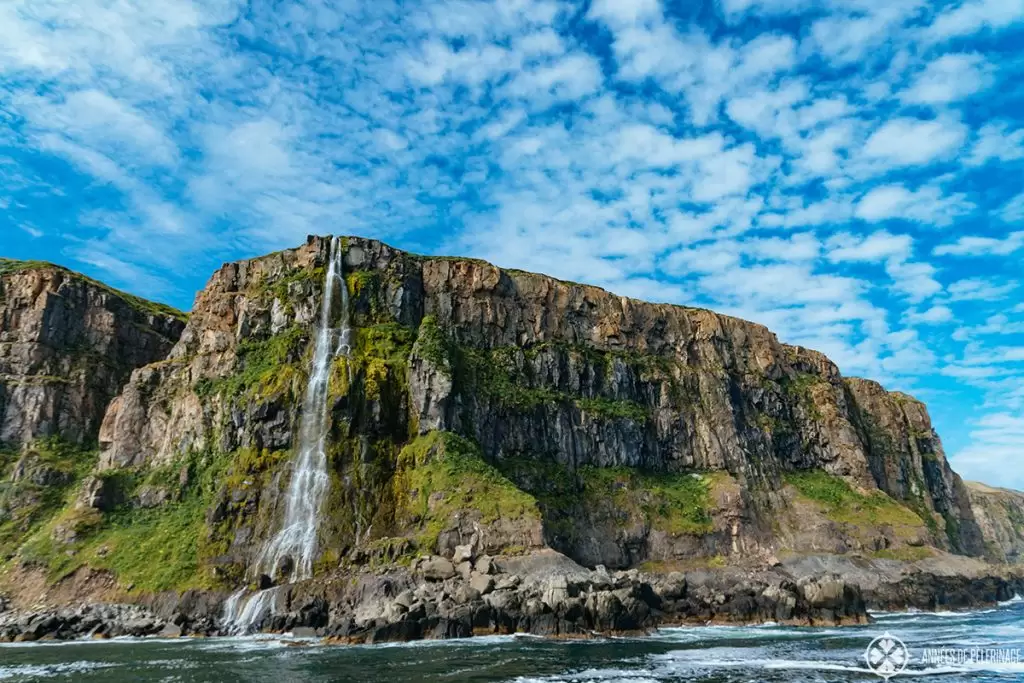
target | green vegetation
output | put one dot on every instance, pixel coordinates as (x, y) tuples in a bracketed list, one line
[(502, 375), (676, 503), (905, 554), (382, 352), (608, 408), (433, 346), (801, 387), (441, 475), (168, 547), (50, 468), (843, 504), (673, 503), (144, 306), (265, 368)]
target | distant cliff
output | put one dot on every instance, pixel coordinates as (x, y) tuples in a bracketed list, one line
[(1000, 514), (67, 347)]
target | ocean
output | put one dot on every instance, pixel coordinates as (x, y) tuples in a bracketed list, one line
[(981, 646)]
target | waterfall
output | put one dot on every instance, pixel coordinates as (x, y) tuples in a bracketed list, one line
[(297, 538)]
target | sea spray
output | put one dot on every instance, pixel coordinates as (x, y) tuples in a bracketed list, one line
[(297, 538)]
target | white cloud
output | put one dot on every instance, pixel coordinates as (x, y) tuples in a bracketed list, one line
[(1013, 210), (916, 281), (995, 142), (994, 454), (982, 246), (931, 316), (924, 205), (972, 16), (877, 246), (979, 289), (913, 142), (949, 78)]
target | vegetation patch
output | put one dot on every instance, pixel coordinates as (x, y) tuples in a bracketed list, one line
[(264, 369), (676, 503), (49, 470), (843, 504), (441, 475)]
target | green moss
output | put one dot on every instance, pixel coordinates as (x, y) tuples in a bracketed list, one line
[(434, 346), (151, 549), (801, 388), (442, 475), (168, 547), (608, 408), (26, 505), (360, 281), (501, 375), (264, 368), (843, 504), (673, 503), (144, 306), (381, 352)]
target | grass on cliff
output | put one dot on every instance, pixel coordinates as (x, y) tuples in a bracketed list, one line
[(675, 503), (265, 368), (168, 547), (52, 468), (671, 502), (843, 504), (441, 475)]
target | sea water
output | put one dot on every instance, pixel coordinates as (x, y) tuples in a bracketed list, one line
[(715, 654)]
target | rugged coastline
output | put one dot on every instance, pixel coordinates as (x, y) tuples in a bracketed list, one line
[(545, 594), (505, 453)]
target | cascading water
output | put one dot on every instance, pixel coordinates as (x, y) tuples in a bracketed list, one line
[(298, 535)]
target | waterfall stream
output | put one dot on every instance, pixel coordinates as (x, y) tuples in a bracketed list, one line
[(296, 542)]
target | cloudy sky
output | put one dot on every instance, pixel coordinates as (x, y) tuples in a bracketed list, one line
[(848, 173)]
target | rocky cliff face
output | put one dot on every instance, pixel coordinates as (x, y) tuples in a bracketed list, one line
[(1000, 514), (505, 411), (67, 347)]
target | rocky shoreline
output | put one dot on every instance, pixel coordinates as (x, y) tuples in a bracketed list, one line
[(544, 594)]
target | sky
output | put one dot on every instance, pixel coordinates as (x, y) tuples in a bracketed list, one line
[(846, 172)]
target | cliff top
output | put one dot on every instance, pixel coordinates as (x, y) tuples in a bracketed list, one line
[(985, 488), (13, 266)]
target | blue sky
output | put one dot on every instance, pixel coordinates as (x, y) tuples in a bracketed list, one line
[(848, 173)]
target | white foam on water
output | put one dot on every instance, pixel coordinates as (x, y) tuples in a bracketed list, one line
[(1016, 599), (593, 676), (50, 670)]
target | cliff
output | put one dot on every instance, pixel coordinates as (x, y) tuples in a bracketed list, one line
[(1000, 514), (479, 412), (511, 410), (67, 346)]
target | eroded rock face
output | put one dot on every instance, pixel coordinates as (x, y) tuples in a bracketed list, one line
[(1000, 514), (595, 407), (67, 347)]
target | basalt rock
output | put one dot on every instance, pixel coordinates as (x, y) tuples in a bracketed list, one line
[(487, 420), (67, 346)]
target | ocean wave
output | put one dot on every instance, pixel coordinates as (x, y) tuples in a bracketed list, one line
[(33, 671)]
